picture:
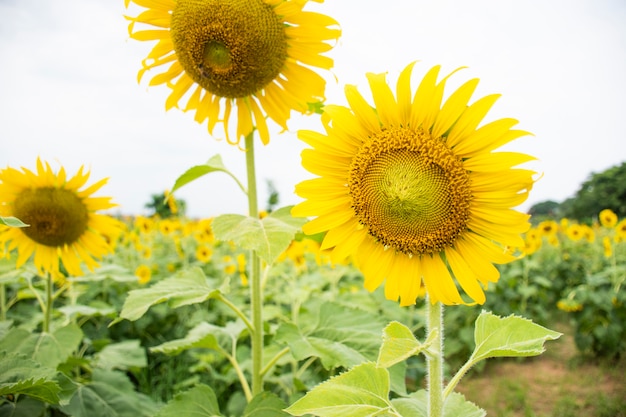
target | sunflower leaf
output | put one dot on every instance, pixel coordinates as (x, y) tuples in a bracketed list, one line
[(511, 336), (362, 391), (108, 394), (204, 335), (123, 355), (199, 400), (342, 336), (269, 236), (214, 164), (22, 375), (189, 286), (48, 349), (399, 344), (265, 404), (12, 222), (416, 405)]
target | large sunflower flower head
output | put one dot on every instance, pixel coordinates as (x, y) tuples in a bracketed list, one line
[(249, 57), (62, 219), (413, 189)]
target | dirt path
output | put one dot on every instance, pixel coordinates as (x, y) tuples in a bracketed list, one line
[(557, 383)]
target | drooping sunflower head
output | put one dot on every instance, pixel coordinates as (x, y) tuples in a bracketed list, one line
[(62, 219), (412, 188), (252, 56)]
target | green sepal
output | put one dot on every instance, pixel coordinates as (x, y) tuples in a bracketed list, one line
[(12, 222)]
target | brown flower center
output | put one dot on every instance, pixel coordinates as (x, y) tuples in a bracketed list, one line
[(231, 48), (410, 191), (56, 216)]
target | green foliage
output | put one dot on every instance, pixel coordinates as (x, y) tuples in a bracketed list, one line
[(200, 400), (185, 328), (12, 222), (269, 236), (365, 389), (214, 164), (603, 190), (547, 209), (511, 336), (273, 197), (108, 394), (21, 375), (160, 207), (189, 286)]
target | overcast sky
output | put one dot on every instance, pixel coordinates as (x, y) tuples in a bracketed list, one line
[(68, 90)]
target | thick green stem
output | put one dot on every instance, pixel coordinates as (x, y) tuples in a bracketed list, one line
[(47, 314), (3, 303), (434, 317), (256, 296)]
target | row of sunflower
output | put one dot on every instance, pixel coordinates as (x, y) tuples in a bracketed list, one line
[(559, 258)]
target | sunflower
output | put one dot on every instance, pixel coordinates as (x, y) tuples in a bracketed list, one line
[(62, 216), (608, 218), (412, 189), (143, 274), (249, 57)]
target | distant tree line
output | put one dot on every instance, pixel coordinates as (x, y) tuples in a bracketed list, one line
[(604, 190)]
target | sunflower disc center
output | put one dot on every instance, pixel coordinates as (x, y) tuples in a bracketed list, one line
[(56, 217), (230, 48), (410, 191)]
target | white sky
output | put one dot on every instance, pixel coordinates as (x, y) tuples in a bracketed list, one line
[(68, 90)]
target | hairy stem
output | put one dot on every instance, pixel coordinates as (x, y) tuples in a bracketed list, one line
[(434, 320), (256, 296)]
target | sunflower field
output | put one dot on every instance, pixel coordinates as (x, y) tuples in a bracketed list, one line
[(149, 326), (332, 307)]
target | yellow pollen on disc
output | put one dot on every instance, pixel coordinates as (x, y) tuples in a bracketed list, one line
[(56, 216), (231, 48), (410, 191)]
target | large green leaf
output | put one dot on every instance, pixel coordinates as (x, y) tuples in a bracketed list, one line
[(214, 164), (266, 404), (399, 344), (204, 335), (200, 401), (269, 236), (78, 310), (333, 354), (123, 355), (12, 222), (22, 375), (510, 336), (342, 336), (48, 349), (416, 405), (189, 286), (109, 394), (24, 407), (363, 391)]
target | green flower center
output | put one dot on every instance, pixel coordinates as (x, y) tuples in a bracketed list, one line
[(410, 191), (230, 48), (57, 217)]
